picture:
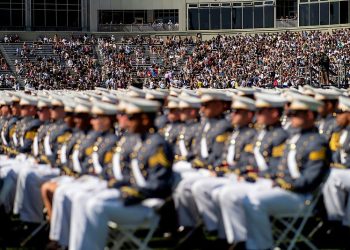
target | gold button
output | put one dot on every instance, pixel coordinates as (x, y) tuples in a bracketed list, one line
[(95, 148), (258, 143), (293, 146)]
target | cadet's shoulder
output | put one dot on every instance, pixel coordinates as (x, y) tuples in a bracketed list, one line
[(223, 124), (314, 139), (35, 123)]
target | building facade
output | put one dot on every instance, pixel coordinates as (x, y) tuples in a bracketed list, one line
[(161, 15)]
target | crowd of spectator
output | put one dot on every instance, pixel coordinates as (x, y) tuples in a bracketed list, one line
[(265, 60), (72, 65), (11, 38)]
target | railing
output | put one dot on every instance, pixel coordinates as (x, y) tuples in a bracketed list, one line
[(137, 27)]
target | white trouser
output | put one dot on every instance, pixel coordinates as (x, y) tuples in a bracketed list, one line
[(8, 174), (203, 192), (230, 201), (336, 195), (183, 198), (28, 202), (101, 208), (62, 205), (259, 206)]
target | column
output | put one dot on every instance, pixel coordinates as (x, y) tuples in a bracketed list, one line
[(28, 14)]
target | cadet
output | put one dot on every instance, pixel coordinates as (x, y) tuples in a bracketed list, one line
[(174, 125), (102, 124), (9, 127), (189, 115), (225, 167), (27, 127), (5, 104), (28, 202), (303, 167), (207, 147), (150, 177), (256, 168), (336, 190), (22, 137), (81, 130), (326, 123)]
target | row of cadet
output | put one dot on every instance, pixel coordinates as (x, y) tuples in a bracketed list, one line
[(228, 158)]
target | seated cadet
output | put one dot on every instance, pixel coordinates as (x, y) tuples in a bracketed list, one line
[(22, 138), (102, 123), (207, 147), (9, 127), (174, 125), (149, 176), (189, 115), (326, 122), (5, 109), (160, 97), (336, 192), (254, 170), (28, 202), (225, 167), (304, 165), (81, 130)]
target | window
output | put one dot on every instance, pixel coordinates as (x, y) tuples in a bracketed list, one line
[(314, 14), (59, 15), (324, 13), (258, 17), (303, 15), (215, 18), (12, 14), (247, 17), (193, 17)]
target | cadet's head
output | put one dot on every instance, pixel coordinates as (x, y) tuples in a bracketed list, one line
[(69, 113), (103, 116), (213, 102), (28, 106), (189, 108), (15, 108), (141, 115), (82, 116), (5, 110), (44, 113), (82, 121), (343, 112), (122, 117), (173, 109), (329, 100), (303, 112), (213, 108), (269, 108), (57, 109), (242, 111), (43, 109)]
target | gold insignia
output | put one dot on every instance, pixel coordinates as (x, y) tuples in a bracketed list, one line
[(283, 184), (221, 138), (129, 191), (198, 163), (318, 155), (338, 165), (278, 150), (159, 158), (334, 142), (249, 148), (63, 138), (30, 135), (12, 130), (89, 150), (108, 157)]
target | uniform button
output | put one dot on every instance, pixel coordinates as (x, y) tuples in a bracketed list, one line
[(265, 153)]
